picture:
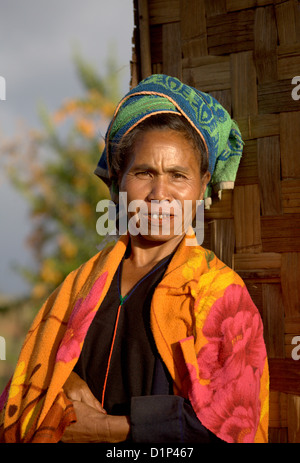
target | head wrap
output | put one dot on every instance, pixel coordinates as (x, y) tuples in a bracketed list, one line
[(164, 94)]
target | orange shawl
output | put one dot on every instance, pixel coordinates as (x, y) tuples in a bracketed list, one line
[(206, 328)]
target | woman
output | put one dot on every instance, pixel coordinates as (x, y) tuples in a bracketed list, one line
[(153, 339)]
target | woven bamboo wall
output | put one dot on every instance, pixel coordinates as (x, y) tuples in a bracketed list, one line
[(245, 53)]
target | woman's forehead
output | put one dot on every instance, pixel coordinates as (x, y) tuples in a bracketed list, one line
[(164, 138), (165, 146)]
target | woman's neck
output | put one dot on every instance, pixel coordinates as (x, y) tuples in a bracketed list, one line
[(144, 253)]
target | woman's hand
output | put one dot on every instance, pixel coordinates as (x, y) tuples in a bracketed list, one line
[(77, 390), (93, 424), (95, 427)]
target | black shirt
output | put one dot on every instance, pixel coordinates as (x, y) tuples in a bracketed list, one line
[(132, 364)]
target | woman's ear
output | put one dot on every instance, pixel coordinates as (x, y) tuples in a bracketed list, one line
[(204, 182)]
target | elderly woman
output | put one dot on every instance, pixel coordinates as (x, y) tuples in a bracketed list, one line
[(154, 339)]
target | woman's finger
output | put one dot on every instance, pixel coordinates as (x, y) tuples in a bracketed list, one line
[(77, 389), (89, 399)]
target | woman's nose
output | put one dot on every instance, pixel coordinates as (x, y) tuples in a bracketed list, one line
[(160, 190)]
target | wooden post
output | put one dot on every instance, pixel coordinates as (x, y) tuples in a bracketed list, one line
[(145, 52)]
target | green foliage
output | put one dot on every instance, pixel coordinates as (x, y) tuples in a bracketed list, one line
[(53, 169)]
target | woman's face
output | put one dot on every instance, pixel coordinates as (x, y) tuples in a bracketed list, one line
[(163, 173)]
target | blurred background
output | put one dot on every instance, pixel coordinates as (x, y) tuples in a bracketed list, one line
[(66, 64)]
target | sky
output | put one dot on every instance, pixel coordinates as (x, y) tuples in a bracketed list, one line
[(37, 40)]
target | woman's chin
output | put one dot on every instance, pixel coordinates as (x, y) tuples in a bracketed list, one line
[(159, 238)]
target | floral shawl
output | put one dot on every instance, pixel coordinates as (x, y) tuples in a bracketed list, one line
[(206, 328)]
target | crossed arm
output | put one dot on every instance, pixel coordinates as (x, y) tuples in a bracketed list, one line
[(157, 418)]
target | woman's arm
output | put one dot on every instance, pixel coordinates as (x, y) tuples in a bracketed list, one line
[(159, 418), (167, 418)]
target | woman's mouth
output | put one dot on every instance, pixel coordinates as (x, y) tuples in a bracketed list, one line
[(160, 216), (162, 221)]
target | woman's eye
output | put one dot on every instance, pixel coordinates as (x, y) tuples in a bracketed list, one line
[(178, 175), (143, 174)]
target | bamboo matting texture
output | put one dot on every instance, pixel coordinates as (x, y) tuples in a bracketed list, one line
[(246, 53)]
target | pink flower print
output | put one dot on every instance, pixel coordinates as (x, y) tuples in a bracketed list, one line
[(200, 395), (234, 412), (79, 322), (235, 334)]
